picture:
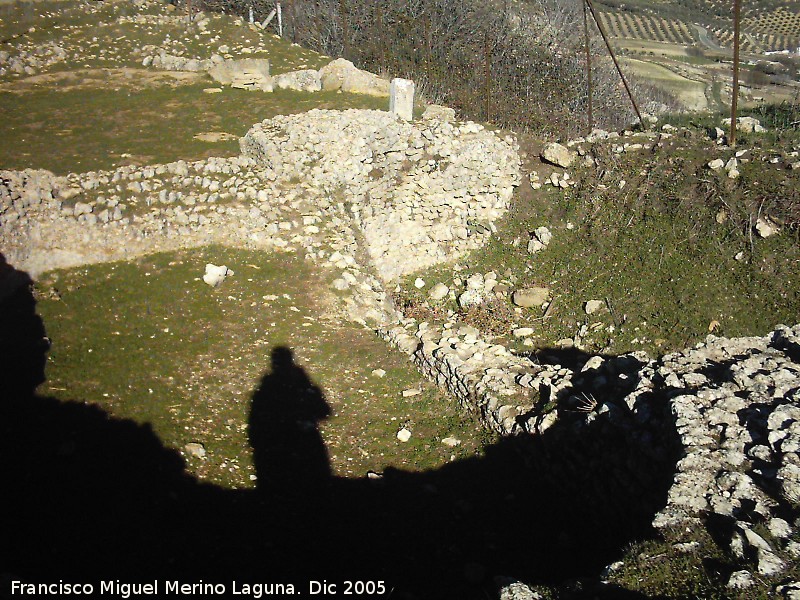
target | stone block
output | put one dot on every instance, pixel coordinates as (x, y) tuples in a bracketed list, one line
[(401, 98)]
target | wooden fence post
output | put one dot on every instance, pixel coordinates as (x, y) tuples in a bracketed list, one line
[(345, 29), (602, 31), (488, 75), (379, 38), (735, 98), (588, 63)]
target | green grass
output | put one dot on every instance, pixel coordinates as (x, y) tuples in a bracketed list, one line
[(103, 109), (659, 569), (148, 340), (90, 129), (652, 250), (85, 34)]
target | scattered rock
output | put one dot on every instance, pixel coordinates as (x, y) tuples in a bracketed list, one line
[(306, 80), (593, 306), (215, 275), (531, 297), (195, 449), (510, 589), (451, 442), (411, 392), (333, 74), (740, 580), (247, 72), (443, 114), (540, 240), (438, 292), (215, 136), (749, 125), (766, 228), (558, 155), (789, 591), (404, 435)]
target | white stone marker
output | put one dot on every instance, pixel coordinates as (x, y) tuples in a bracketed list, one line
[(401, 98)]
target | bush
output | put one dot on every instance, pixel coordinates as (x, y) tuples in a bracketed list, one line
[(522, 68)]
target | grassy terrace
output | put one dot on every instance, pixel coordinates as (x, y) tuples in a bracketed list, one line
[(146, 358), (655, 236), (150, 341)]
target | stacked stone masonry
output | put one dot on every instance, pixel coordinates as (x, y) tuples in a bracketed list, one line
[(373, 197)]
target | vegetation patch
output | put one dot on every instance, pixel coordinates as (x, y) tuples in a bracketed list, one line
[(664, 244), (149, 341), (91, 129)]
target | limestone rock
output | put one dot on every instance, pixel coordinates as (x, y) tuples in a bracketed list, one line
[(333, 74), (740, 580), (593, 306), (229, 71), (195, 449), (558, 155), (510, 589), (215, 275), (531, 297), (438, 292), (749, 125), (306, 80), (443, 114), (364, 82), (540, 240), (470, 297), (789, 591), (766, 228)]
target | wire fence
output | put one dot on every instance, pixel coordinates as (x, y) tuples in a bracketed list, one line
[(522, 68)]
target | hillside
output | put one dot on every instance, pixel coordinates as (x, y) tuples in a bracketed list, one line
[(257, 330), (688, 46)]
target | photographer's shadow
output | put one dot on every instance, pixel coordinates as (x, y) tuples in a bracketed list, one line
[(90, 495), (289, 453)]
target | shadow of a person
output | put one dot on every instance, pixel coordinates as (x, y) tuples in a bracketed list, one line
[(23, 342), (288, 450)]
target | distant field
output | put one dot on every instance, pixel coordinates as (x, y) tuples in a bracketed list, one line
[(766, 25), (649, 47), (628, 25), (685, 47), (690, 92)]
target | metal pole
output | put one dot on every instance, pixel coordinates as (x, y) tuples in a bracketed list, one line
[(588, 63), (614, 58), (735, 99)]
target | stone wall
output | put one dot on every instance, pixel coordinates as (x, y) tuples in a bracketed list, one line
[(420, 192), (713, 430)]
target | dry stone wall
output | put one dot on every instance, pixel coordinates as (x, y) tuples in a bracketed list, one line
[(371, 197), (420, 192)]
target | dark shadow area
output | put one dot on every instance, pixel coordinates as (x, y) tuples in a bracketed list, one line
[(95, 498), (288, 450)]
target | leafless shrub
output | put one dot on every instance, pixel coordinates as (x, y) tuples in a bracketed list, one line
[(520, 67)]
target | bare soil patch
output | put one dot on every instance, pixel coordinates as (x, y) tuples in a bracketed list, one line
[(118, 79)]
